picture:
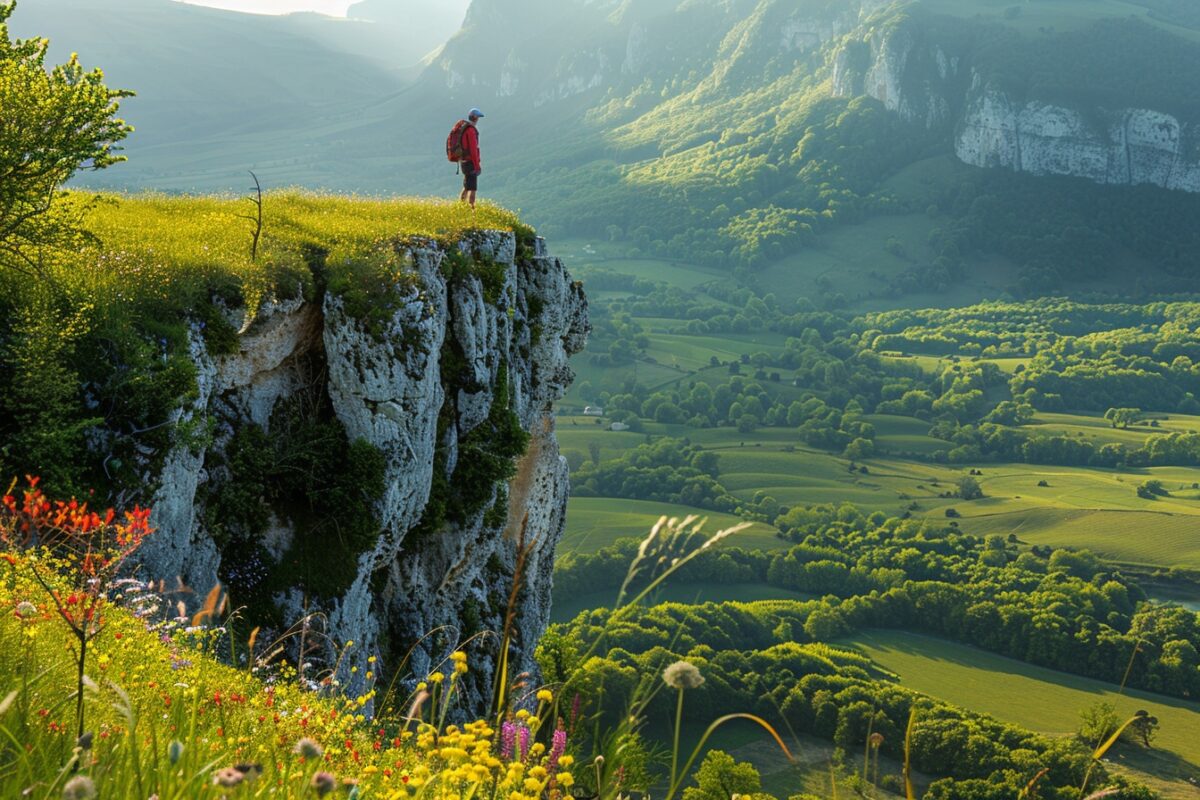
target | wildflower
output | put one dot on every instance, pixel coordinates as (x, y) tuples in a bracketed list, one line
[(307, 748), (683, 675), (228, 778), (80, 787), (323, 783), (508, 739), (545, 696), (576, 703), (174, 751), (558, 746), (522, 742)]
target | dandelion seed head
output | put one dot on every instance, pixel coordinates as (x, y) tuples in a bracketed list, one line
[(308, 748), (80, 787), (683, 675)]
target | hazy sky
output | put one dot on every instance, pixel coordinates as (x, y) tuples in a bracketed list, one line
[(334, 7)]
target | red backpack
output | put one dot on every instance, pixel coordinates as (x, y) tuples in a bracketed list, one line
[(454, 142)]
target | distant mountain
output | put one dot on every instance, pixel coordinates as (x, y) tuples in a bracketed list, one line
[(219, 92), (414, 27), (200, 71), (730, 132)]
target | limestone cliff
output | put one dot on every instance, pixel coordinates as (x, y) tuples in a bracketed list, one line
[(1125, 146), (923, 67), (433, 386)]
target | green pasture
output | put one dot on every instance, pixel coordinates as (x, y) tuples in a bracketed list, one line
[(611, 379), (695, 352), (580, 253), (1100, 430), (904, 435), (1128, 537), (1040, 699), (567, 605), (932, 364), (1078, 507), (596, 522), (850, 260)]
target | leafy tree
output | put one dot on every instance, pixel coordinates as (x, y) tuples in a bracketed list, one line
[(860, 449), (969, 488), (1097, 722), (1122, 417), (55, 122), (720, 778), (1144, 727), (1151, 489)]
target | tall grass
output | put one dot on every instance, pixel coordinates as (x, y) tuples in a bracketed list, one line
[(171, 250)]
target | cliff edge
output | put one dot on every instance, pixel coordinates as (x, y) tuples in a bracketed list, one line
[(434, 401)]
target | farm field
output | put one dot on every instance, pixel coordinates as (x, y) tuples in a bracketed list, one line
[(931, 363), (596, 522), (567, 605), (1142, 538), (1033, 697), (1078, 507)]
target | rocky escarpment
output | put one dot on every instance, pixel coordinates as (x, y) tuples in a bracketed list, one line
[(425, 416), (1126, 146), (923, 67)]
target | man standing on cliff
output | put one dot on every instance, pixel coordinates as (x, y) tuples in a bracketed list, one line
[(472, 163)]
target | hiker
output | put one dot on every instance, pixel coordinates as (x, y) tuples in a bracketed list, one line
[(462, 147)]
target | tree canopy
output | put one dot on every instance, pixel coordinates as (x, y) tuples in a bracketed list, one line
[(54, 122)]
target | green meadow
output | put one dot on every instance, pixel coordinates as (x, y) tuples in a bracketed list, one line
[(1078, 507), (567, 604), (1036, 698), (596, 522)]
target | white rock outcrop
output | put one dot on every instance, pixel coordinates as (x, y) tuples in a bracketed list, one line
[(1126, 147), (905, 67), (391, 387)]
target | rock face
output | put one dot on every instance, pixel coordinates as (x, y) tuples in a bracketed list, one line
[(903, 67), (1125, 146), (908, 65), (479, 333)]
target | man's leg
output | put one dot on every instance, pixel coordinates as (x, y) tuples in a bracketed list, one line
[(464, 195), (471, 198)]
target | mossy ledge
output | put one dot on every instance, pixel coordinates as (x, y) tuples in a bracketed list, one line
[(354, 423)]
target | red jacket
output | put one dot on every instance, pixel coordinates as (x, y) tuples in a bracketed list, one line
[(470, 143)]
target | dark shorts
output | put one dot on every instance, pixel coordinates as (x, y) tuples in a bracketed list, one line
[(470, 177)]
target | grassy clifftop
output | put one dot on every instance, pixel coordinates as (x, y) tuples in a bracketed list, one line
[(103, 339), (170, 249)]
